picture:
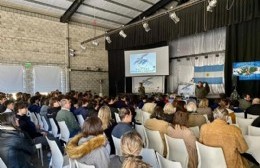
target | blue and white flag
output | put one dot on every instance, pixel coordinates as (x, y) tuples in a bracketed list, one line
[(212, 74)]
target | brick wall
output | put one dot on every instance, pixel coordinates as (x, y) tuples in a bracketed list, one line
[(28, 37)]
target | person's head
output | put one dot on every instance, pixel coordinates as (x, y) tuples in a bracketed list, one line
[(247, 97), (92, 126), (204, 103), (54, 102), (104, 114), (149, 107), (181, 118), (256, 101), (158, 113), (140, 84), (65, 103), (180, 105), (21, 108), (2, 99), (9, 104), (169, 108), (191, 107), (224, 103), (200, 84), (131, 145), (8, 119), (125, 115), (220, 113)]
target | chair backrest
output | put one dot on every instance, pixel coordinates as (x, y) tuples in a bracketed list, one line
[(54, 128), (155, 140), (243, 124), (2, 164), (80, 120), (117, 118), (39, 120), (64, 131), (149, 157), (82, 165), (45, 124), (165, 163), (196, 131), (141, 131), (33, 118), (253, 131), (146, 116), (56, 155), (252, 116), (210, 156), (139, 116), (117, 142), (253, 146), (240, 115), (177, 150)]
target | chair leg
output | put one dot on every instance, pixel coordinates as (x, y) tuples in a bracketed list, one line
[(41, 157)]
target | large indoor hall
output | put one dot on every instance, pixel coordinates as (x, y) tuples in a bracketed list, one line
[(129, 84)]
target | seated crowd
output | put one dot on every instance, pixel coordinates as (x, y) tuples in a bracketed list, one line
[(92, 144)]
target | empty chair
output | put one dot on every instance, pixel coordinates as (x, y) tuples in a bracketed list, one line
[(64, 131), (243, 124), (2, 164), (57, 160), (117, 118), (146, 116), (165, 163), (210, 157), (54, 128), (155, 140), (240, 115), (253, 131), (39, 120), (82, 165), (177, 150), (80, 120), (117, 142), (252, 116), (149, 157), (141, 131), (253, 146), (45, 124), (196, 131)]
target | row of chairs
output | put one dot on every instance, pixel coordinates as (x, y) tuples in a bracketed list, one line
[(242, 115)]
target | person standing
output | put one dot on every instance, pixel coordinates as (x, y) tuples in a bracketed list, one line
[(141, 89)]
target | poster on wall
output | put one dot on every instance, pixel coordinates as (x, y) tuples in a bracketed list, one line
[(152, 84), (247, 70)]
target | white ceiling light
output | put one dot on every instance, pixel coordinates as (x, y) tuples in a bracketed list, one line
[(146, 26), (122, 34), (83, 47), (108, 39), (174, 17), (95, 43), (212, 4)]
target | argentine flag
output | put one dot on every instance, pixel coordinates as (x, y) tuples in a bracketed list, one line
[(212, 74)]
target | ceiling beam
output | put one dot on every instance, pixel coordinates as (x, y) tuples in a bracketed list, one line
[(151, 10), (65, 18)]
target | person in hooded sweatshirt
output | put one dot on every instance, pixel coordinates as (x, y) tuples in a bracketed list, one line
[(91, 145)]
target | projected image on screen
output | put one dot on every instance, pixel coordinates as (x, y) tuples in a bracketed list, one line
[(247, 70), (143, 63)]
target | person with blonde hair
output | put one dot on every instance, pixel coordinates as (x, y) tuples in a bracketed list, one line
[(203, 108), (131, 146), (169, 111), (195, 119), (108, 124)]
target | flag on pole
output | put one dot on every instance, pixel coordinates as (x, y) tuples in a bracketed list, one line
[(212, 74)]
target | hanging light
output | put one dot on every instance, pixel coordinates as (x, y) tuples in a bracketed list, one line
[(108, 39), (146, 25), (211, 5), (95, 43), (83, 47), (122, 34), (71, 52), (174, 17)]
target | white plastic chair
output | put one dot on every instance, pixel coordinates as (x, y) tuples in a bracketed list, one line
[(210, 157), (139, 116), (80, 120), (141, 131), (196, 131), (155, 140), (2, 164), (177, 150), (82, 165), (39, 120), (243, 124), (252, 116), (45, 124), (117, 142), (117, 118), (57, 160), (64, 131), (240, 115), (253, 131), (149, 157), (165, 163), (54, 128), (253, 146), (39, 152), (33, 118), (146, 116)]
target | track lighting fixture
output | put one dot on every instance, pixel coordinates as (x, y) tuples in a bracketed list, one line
[(95, 43), (71, 52), (83, 47), (122, 34), (211, 5), (174, 17), (108, 39), (146, 26)]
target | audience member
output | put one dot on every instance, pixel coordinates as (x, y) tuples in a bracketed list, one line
[(179, 130), (65, 115), (149, 106), (195, 119), (90, 146), (245, 102), (9, 104), (16, 147), (254, 109), (34, 104), (2, 101), (228, 137), (204, 108), (125, 124), (225, 103), (169, 111)]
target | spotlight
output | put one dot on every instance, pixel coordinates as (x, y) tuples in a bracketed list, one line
[(108, 39), (146, 26), (122, 34), (212, 4), (83, 47), (95, 43), (71, 52), (174, 17)]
